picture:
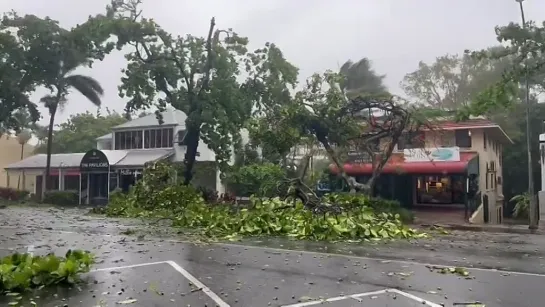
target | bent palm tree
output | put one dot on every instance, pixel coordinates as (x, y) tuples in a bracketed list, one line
[(87, 86)]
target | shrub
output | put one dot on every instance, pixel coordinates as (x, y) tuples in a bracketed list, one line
[(209, 195), (259, 179), (20, 272), (62, 198), (359, 221), (376, 203), (155, 192), (13, 194), (522, 206)]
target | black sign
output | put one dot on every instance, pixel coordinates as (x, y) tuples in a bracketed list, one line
[(358, 157), (94, 161)]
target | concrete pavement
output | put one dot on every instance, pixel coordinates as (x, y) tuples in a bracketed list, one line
[(136, 271)]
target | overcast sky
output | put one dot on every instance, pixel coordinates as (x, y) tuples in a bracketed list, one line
[(315, 35)]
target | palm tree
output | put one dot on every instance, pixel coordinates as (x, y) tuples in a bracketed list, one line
[(87, 86), (361, 79), (23, 137)]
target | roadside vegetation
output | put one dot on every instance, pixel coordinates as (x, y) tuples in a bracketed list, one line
[(360, 217)]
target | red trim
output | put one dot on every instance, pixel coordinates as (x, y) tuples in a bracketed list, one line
[(396, 165), (65, 171)]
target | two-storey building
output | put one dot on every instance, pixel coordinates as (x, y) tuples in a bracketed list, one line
[(119, 158), (455, 166)]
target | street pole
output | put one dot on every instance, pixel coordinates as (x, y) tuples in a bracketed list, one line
[(532, 214)]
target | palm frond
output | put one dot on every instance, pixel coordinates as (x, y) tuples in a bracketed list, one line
[(87, 86)]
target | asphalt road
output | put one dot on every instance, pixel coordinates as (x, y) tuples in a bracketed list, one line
[(136, 271)]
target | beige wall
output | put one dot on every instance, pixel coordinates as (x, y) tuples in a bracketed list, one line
[(492, 153), (10, 152)]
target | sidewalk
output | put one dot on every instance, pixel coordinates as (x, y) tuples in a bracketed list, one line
[(519, 229)]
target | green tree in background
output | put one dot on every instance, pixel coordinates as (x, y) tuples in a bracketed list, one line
[(80, 131), (199, 76)]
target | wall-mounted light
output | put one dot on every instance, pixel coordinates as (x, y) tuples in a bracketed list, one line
[(469, 132)]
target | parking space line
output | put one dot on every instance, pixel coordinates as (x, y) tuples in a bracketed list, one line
[(129, 266), (365, 294), (332, 254), (198, 283), (30, 250)]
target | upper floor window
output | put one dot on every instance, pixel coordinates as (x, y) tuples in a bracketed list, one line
[(411, 140), (158, 138), (128, 140), (182, 141), (463, 138)]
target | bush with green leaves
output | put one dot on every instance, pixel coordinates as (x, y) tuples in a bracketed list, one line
[(21, 272), (376, 203), (522, 206), (155, 192), (62, 198), (255, 179)]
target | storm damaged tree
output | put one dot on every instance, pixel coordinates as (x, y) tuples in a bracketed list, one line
[(199, 76), (340, 120)]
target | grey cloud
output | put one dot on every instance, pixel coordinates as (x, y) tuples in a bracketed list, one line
[(315, 35)]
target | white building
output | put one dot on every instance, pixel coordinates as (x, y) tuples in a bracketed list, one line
[(119, 159)]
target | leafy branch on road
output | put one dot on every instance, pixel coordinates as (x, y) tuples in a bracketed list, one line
[(23, 272), (362, 217)]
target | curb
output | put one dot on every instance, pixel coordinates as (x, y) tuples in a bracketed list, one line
[(491, 229)]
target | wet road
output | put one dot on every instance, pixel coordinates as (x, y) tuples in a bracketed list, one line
[(141, 271)]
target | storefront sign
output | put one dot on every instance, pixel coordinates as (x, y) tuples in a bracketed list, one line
[(432, 154), (130, 172), (358, 157), (94, 161)]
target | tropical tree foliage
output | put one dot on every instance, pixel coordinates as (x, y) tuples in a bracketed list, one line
[(200, 76)]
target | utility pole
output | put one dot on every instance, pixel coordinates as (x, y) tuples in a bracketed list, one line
[(532, 214)]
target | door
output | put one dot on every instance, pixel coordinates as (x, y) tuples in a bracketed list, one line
[(486, 213)]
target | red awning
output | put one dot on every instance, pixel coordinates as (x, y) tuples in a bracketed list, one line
[(65, 171), (397, 165)]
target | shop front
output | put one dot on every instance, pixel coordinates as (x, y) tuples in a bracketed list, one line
[(424, 178), (95, 177)]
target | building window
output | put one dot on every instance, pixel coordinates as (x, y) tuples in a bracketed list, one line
[(128, 140), (440, 189), (463, 138), (182, 141), (411, 140), (485, 140), (158, 138)]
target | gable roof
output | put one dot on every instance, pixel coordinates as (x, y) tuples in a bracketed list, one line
[(171, 117)]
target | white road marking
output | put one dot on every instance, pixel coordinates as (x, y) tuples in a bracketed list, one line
[(375, 259), (30, 250), (219, 302), (128, 266), (199, 284), (366, 294), (314, 253)]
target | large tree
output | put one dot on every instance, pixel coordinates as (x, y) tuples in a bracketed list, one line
[(454, 81), (50, 55), (201, 76), (340, 120), (80, 131)]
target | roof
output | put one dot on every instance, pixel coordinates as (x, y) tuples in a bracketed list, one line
[(171, 117), (105, 137), (72, 160), (39, 161), (397, 165), (140, 157), (476, 123)]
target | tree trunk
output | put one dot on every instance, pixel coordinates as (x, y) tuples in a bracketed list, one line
[(45, 180), (22, 156), (192, 137), (352, 183)]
